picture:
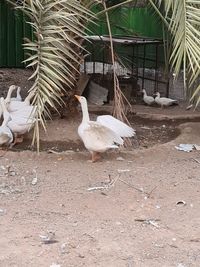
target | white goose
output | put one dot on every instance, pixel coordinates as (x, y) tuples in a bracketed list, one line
[(104, 133), (19, 122), (149, 100), (164, 101)]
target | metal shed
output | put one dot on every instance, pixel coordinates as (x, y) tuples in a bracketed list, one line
[(141, 65)]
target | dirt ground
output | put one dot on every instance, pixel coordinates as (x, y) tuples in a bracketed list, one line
[(137, 207)]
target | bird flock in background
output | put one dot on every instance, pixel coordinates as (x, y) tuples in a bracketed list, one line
[(161, 101)]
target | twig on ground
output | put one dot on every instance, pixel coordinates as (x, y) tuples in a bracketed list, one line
[(112, 183), (149, 194), (54, 152), (196, 160), (138, 189), (51, 151), (152, 222), (195, 239), (106, 186), (97, 188)]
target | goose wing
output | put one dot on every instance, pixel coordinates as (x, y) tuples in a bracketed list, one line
[(15, 105), (148, 100), (170, 100), (117, 126), (20, 127), (167, 101), (25, 112), (22, 120)]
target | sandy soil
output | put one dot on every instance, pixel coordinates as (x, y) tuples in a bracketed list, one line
[(131, 219), (135, 208)]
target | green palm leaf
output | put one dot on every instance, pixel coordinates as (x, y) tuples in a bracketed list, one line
[(58, 25), (182, 18)]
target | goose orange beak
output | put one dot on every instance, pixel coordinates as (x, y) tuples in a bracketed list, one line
[(78, 97)]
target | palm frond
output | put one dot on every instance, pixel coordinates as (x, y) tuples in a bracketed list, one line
[(58, 27), (182, 18), (119, 98)]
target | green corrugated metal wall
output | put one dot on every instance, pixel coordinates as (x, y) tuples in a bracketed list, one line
[(13, 29), (139, 21), (136, 21)]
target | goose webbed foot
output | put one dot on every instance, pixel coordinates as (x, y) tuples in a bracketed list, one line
[(95, 156), (17, 140)]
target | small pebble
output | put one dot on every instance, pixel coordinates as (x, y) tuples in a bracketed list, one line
[(2, 211), (34, 181), (181, 265), (63, 248), (120, 159)]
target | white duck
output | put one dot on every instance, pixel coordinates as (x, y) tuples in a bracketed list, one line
[(149, 100), (104, 133), (19, 122), (164, 101)]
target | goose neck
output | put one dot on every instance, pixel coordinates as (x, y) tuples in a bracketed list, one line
[(8, 97), (85, 112)]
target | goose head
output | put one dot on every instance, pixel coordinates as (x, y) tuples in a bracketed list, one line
[(81, 99), (157, 94), (10, 90), (144, 93)]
